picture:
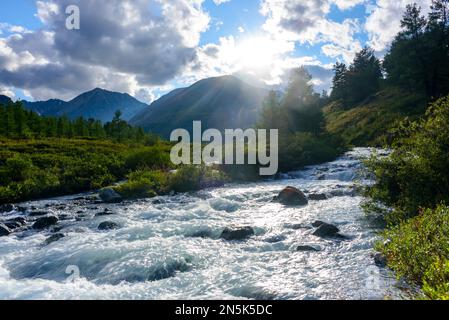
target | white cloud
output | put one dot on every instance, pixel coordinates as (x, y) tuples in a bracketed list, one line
[(125, 45), (384, 21), (218, 2), (307, 22)]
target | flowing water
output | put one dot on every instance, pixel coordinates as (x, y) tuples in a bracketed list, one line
[(170, 247)]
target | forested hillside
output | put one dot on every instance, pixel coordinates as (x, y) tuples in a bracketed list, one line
[(370, 96)]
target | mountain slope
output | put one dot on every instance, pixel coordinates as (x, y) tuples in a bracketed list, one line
[(368, 123), (97, 104), (4, 100), (221, 103)]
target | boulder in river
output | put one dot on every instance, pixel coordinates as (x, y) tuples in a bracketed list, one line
[(317, 196), (45, 222), (237, 233), (54, 238), (12, 225), (292, 196), (6, 208), (326, 230), (4, 230), (380, 260), (108, 225), (108, 195), (21, 220), (308, 248), (106, 212)]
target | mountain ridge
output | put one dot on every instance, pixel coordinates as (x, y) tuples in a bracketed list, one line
[(99, 104), (219, 102)]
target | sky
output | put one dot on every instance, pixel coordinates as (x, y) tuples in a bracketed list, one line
[(148, 47)]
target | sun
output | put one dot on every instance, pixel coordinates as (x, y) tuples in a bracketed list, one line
[(256, 53)]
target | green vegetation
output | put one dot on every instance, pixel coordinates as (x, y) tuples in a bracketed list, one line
[(369, 123), (146, 183), (418, 250), (298, 116), (32, 169), (370, 97), (414, 177)]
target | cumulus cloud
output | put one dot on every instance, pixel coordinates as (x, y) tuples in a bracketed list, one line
[(383, 22), (307, 22), (135, 43)]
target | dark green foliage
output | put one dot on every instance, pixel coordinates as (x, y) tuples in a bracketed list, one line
[(419, 56), (18, 123), (356, 83), (416, 174)]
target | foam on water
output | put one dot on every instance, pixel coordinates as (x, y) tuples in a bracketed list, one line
[(171, 248)]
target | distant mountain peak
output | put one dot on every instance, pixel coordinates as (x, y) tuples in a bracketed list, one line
[(97, 103), (224, 102)]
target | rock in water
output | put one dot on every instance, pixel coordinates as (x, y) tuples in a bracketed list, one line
[(6, 208), (108, 225), (54, 238), (20, 220), (308, 248), (291, 196), (317, 224), (317, 196), (4, 230), (45, 222), (380, 260), (108, 195), (237, 233), (326, 230)]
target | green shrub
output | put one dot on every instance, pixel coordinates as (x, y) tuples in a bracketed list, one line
[(418, 250), (191, 178), (144, 184), (303, 149), (155, 157), (416, 174)]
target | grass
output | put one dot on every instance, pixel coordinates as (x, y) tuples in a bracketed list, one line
[(368, 123), (32, 169)]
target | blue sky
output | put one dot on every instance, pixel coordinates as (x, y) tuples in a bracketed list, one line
[(149, 47)]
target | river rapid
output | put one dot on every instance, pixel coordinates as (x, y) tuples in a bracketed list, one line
[(170, 247)]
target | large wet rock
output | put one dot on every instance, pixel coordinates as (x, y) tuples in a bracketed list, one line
[(5, 208), (108, 195), (108, 225), (54, 238), (380, 260), (14, 223), (236, 234), (325, 230), (45, 222), (308, 248), (292, 196), (4, 230)]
